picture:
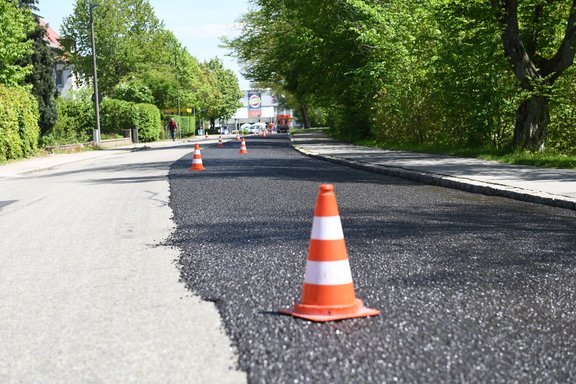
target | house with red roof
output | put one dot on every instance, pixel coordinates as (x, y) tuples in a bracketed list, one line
[(63, 73)]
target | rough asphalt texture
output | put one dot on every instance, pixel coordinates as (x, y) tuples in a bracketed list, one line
[(471, 288)]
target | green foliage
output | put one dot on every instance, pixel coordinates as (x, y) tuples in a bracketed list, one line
[(75, 120), (186, 124), (116, 115), (226, 93), (420, 72), (19, 129), (16, 24), (42, 79), (146, 117)]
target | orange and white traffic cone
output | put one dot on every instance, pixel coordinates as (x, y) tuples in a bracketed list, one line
[(328, 292), (197, 160), (243, 150), (238, 136), (220, 143)]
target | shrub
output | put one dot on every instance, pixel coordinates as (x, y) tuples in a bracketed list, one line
[(115, 116), (19, 131), (146, 117), (75, 122)]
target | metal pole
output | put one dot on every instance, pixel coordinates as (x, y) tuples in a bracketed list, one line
[(178, 85), (96, 96)]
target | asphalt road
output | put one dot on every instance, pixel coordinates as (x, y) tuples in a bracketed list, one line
[(471, 288), (88, 291)]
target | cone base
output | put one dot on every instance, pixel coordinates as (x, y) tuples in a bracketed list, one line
[(200, 168), (321, 313), (220, 145)]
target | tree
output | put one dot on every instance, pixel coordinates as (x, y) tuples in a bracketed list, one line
[(124, 30), (42, 76), (536, 65), (227, 90), (16, 24)]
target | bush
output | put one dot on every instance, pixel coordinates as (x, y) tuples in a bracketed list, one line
[(146, 117), (75, 122), (19, 131), (115, 116)]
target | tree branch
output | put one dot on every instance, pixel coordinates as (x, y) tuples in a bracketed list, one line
[(564, 57), (524, 67)]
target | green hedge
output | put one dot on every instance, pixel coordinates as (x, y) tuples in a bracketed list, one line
[(147, 118), (19, 131), (186, 124), (118, 115)]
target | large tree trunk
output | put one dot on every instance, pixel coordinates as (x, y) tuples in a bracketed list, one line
[(532, 118)]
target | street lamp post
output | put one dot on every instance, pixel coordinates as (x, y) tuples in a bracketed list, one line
[(96, 136), (178, 85)]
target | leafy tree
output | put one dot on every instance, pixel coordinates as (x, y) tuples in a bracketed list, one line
[(539, 53), (124, 31), (227, 92), (16, 25)]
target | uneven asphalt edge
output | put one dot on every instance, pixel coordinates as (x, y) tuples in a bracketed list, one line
[(439, 180)]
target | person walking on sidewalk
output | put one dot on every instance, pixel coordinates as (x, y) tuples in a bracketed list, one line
[(173, 127)]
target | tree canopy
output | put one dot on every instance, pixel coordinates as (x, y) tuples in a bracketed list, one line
[(448, 72), (139, 60)]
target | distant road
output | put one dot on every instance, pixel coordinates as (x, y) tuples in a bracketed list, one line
[(88, 291)]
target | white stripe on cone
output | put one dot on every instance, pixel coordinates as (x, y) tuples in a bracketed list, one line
[(196, 161), (326, 228), (328, 272)]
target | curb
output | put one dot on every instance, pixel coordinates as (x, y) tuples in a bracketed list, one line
[(462, 184)]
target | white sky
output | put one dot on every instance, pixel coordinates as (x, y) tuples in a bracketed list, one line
[(197, 24)]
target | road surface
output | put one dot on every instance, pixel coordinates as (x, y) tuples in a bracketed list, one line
[(89, 292)]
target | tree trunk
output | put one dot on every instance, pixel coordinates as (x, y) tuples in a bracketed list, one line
[(532, 118), (305, 119)]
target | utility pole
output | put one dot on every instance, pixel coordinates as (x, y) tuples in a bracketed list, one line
[(178, 85), (96, 136)]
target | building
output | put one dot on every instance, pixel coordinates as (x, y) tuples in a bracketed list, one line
[(63, 74)]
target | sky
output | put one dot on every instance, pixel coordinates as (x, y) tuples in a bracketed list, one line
[(198, 24)]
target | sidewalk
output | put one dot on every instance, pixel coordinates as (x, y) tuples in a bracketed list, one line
[(35, 164), (548, 186)]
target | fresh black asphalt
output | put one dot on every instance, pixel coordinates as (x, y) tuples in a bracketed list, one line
[(471, 288)]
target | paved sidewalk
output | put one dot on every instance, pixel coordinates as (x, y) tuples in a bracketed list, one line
[(554, 187), (35, 164)]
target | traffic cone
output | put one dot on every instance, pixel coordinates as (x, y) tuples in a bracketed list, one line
[(197, 160), (220, 143), (328, 292), (243, 150), (238, 136)]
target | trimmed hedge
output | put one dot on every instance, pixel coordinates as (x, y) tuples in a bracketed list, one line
[(147, 118), (19, 130), (186, 124), (117, 115)]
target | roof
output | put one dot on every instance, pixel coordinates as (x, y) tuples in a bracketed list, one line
[(52, 37)]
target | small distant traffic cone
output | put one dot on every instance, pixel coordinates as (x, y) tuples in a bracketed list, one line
[(328, 292), (220, 143), (197, 160), (238, 136), (243, 150)]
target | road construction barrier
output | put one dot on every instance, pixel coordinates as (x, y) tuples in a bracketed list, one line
[(328, 292)]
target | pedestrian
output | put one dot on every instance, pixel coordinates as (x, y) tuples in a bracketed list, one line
[(173, 127)]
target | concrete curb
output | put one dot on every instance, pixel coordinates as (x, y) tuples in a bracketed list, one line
[(463, 184)]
